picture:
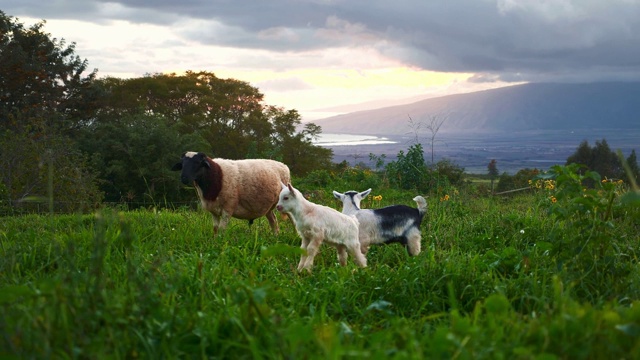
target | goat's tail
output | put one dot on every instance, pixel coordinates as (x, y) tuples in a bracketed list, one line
[(422, 204)]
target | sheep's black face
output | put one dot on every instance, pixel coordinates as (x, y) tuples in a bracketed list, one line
[(192, 165)]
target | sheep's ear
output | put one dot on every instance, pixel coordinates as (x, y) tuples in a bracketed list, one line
[(338, 195), (177, 167), (365, 193), (205, 163)]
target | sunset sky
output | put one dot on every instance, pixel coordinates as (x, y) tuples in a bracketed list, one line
[(322, 54)]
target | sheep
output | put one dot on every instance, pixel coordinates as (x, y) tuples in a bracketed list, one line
[(243, 189), (396, 223), (318, 223)]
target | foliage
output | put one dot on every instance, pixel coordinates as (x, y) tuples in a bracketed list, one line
[(409, 170), (44, 96), (633, 172), (133, 157), (451, 171), (601, 159), (493, 172), (585, 223), (42, 81), (520, 180), (38, 169), (227, 113), (493, 169)]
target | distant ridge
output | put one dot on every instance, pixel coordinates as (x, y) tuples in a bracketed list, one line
[(518, 108)]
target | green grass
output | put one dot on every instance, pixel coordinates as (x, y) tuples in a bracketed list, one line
[(490, 283)]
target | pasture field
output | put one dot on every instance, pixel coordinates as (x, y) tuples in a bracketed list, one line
[(499, 277)]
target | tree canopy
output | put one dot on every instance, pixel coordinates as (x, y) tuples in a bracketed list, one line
[(43, 95), (601, 159)]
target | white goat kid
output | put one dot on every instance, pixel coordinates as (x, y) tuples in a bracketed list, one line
[(396, 223), (317, 224)]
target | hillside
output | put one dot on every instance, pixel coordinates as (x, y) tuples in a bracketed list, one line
[(528, 107)]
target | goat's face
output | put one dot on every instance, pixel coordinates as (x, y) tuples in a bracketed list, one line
[(192, 164), (287, 199), (351, 199)]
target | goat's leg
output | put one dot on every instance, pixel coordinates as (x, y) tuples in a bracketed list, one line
[(312, 250), (413, 243), (303, 257), (358, 257), (365, 241)]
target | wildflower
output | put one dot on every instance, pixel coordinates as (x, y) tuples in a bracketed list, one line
[(377, 198), (553, 199), (549, 185), (445, 198), (522, 231)]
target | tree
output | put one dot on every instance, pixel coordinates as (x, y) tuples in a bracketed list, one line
[(44, 95), (435, 122), (44, 88), (493, 171), (195, 111), (38, 169), (633, 168), (599, 158), (133, 157), (409, 170)]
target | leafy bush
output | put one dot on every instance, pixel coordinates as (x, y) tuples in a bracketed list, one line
[(581, 240)]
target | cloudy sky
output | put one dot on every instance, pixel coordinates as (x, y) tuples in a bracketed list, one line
[(317, 54)]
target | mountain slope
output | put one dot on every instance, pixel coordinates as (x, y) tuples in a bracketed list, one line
[(528, 107)]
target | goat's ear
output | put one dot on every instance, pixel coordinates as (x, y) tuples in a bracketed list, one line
[(293, 193), (177, 167), (338, 195), (365, 193), (284, 186)]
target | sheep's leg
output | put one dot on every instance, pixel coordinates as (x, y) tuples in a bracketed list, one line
[(303, 257), (273, 221), (342, 254), (358, 257), (223, 220), (216, 224)]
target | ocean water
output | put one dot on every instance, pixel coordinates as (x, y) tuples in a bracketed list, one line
[(351, 140), (513, 152)]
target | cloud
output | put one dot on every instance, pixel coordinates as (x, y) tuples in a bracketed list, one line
[(499, 40)]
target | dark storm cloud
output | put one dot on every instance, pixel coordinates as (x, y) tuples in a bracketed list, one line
[(500, 39)]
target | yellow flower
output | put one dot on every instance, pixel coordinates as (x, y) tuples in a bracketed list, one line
[(377, 198), (445, 198), (553, 199)]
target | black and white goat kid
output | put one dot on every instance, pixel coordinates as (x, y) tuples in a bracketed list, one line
[(395, 223)]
